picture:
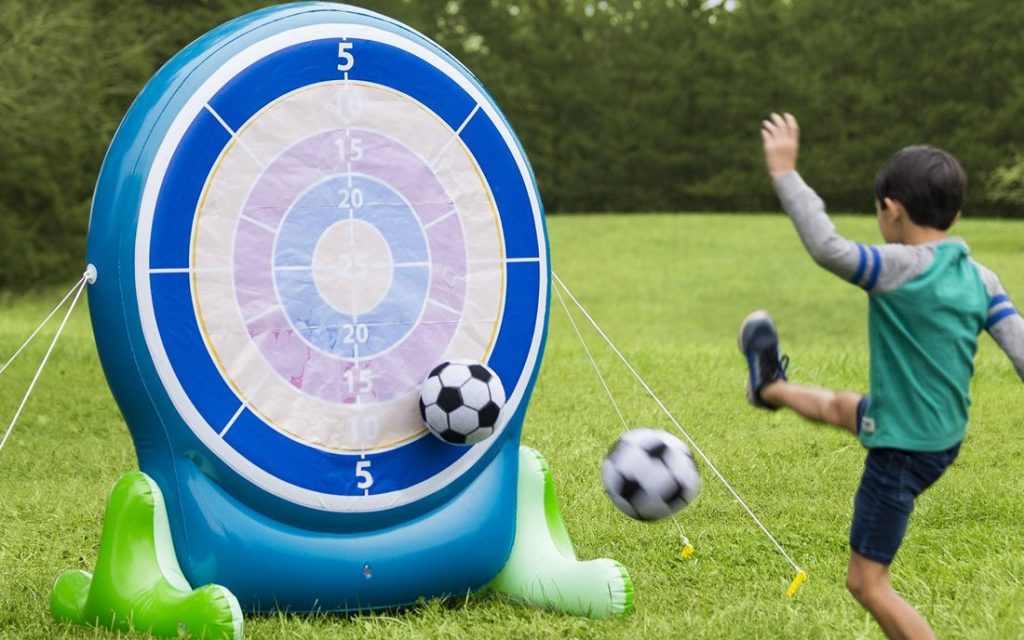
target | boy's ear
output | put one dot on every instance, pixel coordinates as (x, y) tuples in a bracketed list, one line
[(895, 208)]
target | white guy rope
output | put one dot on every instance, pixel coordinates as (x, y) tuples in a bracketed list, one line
[(78, 289), (687, 548), (592, 361), (668, 413), (42, 324)]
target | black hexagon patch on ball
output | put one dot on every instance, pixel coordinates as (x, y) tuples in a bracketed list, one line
[(461, 401), (650, 474)]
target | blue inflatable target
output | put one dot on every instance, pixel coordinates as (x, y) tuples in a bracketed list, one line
[(303, 213)]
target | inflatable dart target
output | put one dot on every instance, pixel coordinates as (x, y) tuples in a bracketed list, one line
[(303, 213)]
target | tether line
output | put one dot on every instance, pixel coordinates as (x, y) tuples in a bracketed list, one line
[(592, 361), (77, 290), (687, 547), (686, 435), (42, 324)]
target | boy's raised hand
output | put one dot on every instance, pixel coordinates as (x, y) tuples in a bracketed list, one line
[(781, 136)]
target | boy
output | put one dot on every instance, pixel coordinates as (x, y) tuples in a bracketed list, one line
[(928, 303)]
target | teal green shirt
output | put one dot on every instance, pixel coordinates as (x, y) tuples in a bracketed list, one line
[(928, 303), (923, 337)]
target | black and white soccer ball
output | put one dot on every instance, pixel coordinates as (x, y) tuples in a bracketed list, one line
[(650, 474), (460, 401)]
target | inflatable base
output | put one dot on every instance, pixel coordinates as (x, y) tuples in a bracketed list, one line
[(542, 569), (138, 584)]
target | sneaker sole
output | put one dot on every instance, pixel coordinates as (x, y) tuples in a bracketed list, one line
[(754, 316)]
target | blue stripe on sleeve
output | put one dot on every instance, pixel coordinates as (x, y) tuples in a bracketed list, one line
[(876, 269), (999, 299), (1005, 313), (863, 263)]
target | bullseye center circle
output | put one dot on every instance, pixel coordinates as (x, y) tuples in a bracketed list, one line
[(352, 266)]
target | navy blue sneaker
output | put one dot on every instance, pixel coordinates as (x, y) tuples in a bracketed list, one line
[(759, 342)]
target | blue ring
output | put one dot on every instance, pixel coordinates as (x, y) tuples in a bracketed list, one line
[(316, 320)]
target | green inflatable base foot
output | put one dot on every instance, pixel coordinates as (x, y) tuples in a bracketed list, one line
[(542, 569), (138, 584)]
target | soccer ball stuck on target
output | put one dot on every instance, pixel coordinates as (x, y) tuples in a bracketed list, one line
[(461, 401)]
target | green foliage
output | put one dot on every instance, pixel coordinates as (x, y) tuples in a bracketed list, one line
[(1007, 182), (622, 105), (48, 139), (672, 299)]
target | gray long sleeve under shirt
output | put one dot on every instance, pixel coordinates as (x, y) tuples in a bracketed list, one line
[(886, 267)]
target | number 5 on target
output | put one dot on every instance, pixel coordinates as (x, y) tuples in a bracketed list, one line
[(363, 473), (347, 60)]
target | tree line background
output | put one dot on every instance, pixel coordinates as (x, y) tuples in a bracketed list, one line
[(622, 105)]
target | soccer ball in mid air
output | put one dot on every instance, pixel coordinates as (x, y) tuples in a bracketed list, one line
[(460, 401), (650, 474)]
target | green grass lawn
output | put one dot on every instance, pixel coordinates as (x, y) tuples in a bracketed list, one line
[(670, 291)]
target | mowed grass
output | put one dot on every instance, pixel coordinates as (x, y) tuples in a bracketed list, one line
[(671, 292)]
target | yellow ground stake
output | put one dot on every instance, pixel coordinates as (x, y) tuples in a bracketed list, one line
[(687, 549), (797, 581)]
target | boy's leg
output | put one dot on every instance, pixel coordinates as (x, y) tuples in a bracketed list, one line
[(838, 408), (768, 388), (868, 581), (892, 481)]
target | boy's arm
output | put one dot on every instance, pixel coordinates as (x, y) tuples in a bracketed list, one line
[(807, 211), (873, 268), (1005, 324)]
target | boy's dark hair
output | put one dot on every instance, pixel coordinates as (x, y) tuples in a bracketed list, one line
[(927, 181)]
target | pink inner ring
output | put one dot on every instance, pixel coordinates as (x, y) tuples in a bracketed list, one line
[(305, 367)]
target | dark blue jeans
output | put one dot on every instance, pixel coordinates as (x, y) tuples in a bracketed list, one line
[(892, 480)]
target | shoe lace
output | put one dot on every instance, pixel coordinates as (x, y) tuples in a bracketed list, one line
[(773, 366)]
